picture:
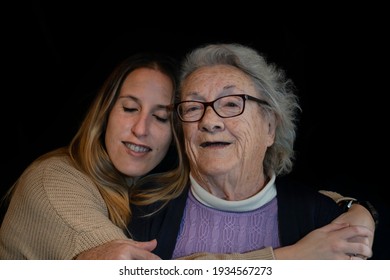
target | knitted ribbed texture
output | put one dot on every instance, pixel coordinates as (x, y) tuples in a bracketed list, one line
[(205, 229), (56, 213)]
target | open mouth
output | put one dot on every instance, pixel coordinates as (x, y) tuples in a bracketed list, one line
[(137, 148), (214, 144)]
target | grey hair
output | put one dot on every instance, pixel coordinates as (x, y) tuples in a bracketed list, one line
[(271, 83)]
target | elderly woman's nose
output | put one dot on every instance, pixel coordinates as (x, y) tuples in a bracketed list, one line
[(210, 121)]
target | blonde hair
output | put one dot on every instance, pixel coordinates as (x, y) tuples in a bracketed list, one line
[(87, 149)]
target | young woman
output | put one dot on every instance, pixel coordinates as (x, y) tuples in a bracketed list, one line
[(76, 198)]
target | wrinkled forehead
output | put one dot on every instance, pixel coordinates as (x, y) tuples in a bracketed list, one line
[(218, 80)]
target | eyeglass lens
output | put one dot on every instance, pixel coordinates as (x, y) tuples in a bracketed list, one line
[(225, 107)]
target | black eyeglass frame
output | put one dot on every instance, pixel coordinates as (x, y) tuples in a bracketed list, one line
[(244, 97)]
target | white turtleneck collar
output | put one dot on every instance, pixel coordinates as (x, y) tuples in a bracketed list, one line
[(249, 204)]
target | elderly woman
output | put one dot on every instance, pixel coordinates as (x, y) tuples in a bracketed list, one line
[(238, 116)]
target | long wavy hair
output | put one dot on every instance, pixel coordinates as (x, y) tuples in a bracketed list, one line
[(88, 151)]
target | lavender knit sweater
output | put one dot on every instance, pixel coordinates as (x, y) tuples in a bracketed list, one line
[(207, 229)]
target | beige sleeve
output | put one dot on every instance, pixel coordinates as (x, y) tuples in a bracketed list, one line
[(261, 254), (336, 196), (55, 213)]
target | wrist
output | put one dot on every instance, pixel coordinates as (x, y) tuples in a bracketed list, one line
[(346, 204)]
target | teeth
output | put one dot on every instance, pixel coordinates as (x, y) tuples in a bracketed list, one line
[(137, 148)]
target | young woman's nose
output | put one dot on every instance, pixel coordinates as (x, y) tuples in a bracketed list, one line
[(140, 127)]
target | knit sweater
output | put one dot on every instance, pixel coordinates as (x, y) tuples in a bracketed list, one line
[(300, 210), (56, 212), (205, 229)]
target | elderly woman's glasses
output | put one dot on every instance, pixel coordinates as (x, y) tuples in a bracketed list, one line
[(225, 107)]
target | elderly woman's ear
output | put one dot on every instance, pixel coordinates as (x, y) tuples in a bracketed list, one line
[(271, 129)]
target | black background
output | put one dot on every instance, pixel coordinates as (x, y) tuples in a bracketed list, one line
[(55, 57)]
